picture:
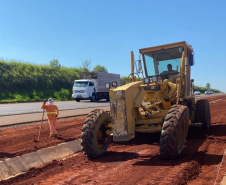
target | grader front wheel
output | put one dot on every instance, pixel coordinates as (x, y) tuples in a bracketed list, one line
[(174, 132), (96, 133)]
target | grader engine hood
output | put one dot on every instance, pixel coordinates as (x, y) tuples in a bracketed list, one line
[(125, 101)]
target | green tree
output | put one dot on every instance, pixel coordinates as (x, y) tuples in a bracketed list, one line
[(124, 80), (86, 65), (208, 85), (99, 68), (55, 64)]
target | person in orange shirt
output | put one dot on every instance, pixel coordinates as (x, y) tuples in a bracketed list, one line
[(52, 112)]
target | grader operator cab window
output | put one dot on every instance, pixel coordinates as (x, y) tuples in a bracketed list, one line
[(157, 63), (139, 68)]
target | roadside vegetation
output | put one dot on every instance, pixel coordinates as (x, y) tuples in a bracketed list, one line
[(22, 82), (207, 87), (27, 82)]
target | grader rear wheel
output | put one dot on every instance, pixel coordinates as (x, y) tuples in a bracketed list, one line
[(202, 113), (96, 133), (174, 132)]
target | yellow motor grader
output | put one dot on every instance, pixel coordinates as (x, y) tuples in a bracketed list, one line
[(162, 102)]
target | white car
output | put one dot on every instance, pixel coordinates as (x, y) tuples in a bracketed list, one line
[(197, 93), (208, 92)]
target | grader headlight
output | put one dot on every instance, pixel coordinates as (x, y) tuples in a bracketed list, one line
[(107, 85), (114, 84), (154, 79), (147, 80)]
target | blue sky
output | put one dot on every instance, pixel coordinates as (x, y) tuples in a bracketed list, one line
[(105, 31)]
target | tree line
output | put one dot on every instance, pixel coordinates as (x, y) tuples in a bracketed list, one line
[(24, 82), (203, 89), (28, 82)]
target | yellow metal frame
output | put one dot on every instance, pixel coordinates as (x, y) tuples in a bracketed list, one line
[(128, 113), (167, 46)]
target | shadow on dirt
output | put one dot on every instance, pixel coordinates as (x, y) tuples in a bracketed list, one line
[(217, 129), (6, 155), (195, 139), (65, 140), (116, 157), (147, 138), (140, 139), (199, 157)]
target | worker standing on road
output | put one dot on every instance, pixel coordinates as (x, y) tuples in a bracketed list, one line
[(52, 113)]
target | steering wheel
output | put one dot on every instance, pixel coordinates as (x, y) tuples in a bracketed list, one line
[(134, 76)]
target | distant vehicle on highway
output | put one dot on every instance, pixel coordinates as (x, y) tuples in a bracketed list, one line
[(91, 86), (208, 92), (197, 93)]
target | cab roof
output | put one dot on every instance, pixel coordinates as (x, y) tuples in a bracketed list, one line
[(167, 46)]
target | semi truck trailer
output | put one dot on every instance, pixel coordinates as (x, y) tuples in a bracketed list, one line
[(91, 86)]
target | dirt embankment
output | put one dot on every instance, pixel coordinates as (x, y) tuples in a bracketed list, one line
[(133, 162), (20, 140)]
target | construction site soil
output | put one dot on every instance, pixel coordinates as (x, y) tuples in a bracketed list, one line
[(134, 162)]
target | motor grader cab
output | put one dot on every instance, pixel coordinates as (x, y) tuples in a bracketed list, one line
[(162, 102)]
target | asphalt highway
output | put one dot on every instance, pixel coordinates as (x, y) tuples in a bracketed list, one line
[(34, 107), (17, 113), (28, 113)]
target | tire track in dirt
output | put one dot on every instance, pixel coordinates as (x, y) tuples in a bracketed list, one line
[(216, 140), (136, 162)]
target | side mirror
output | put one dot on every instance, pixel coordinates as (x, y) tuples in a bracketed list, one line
[(140, 70), (191, 59)]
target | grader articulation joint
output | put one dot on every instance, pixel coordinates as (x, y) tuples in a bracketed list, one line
[(163, 102)]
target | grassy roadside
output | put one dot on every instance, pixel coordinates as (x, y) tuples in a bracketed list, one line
[(35, 96)]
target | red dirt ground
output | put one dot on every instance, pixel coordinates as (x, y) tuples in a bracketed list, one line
[(20, 140), (134, 162)]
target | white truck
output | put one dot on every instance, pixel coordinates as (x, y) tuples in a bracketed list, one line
[(91, 86)]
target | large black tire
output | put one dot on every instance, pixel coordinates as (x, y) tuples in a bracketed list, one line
[(95, 140), (174, 132), (77, 99), (202, 113), (93, 98)]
